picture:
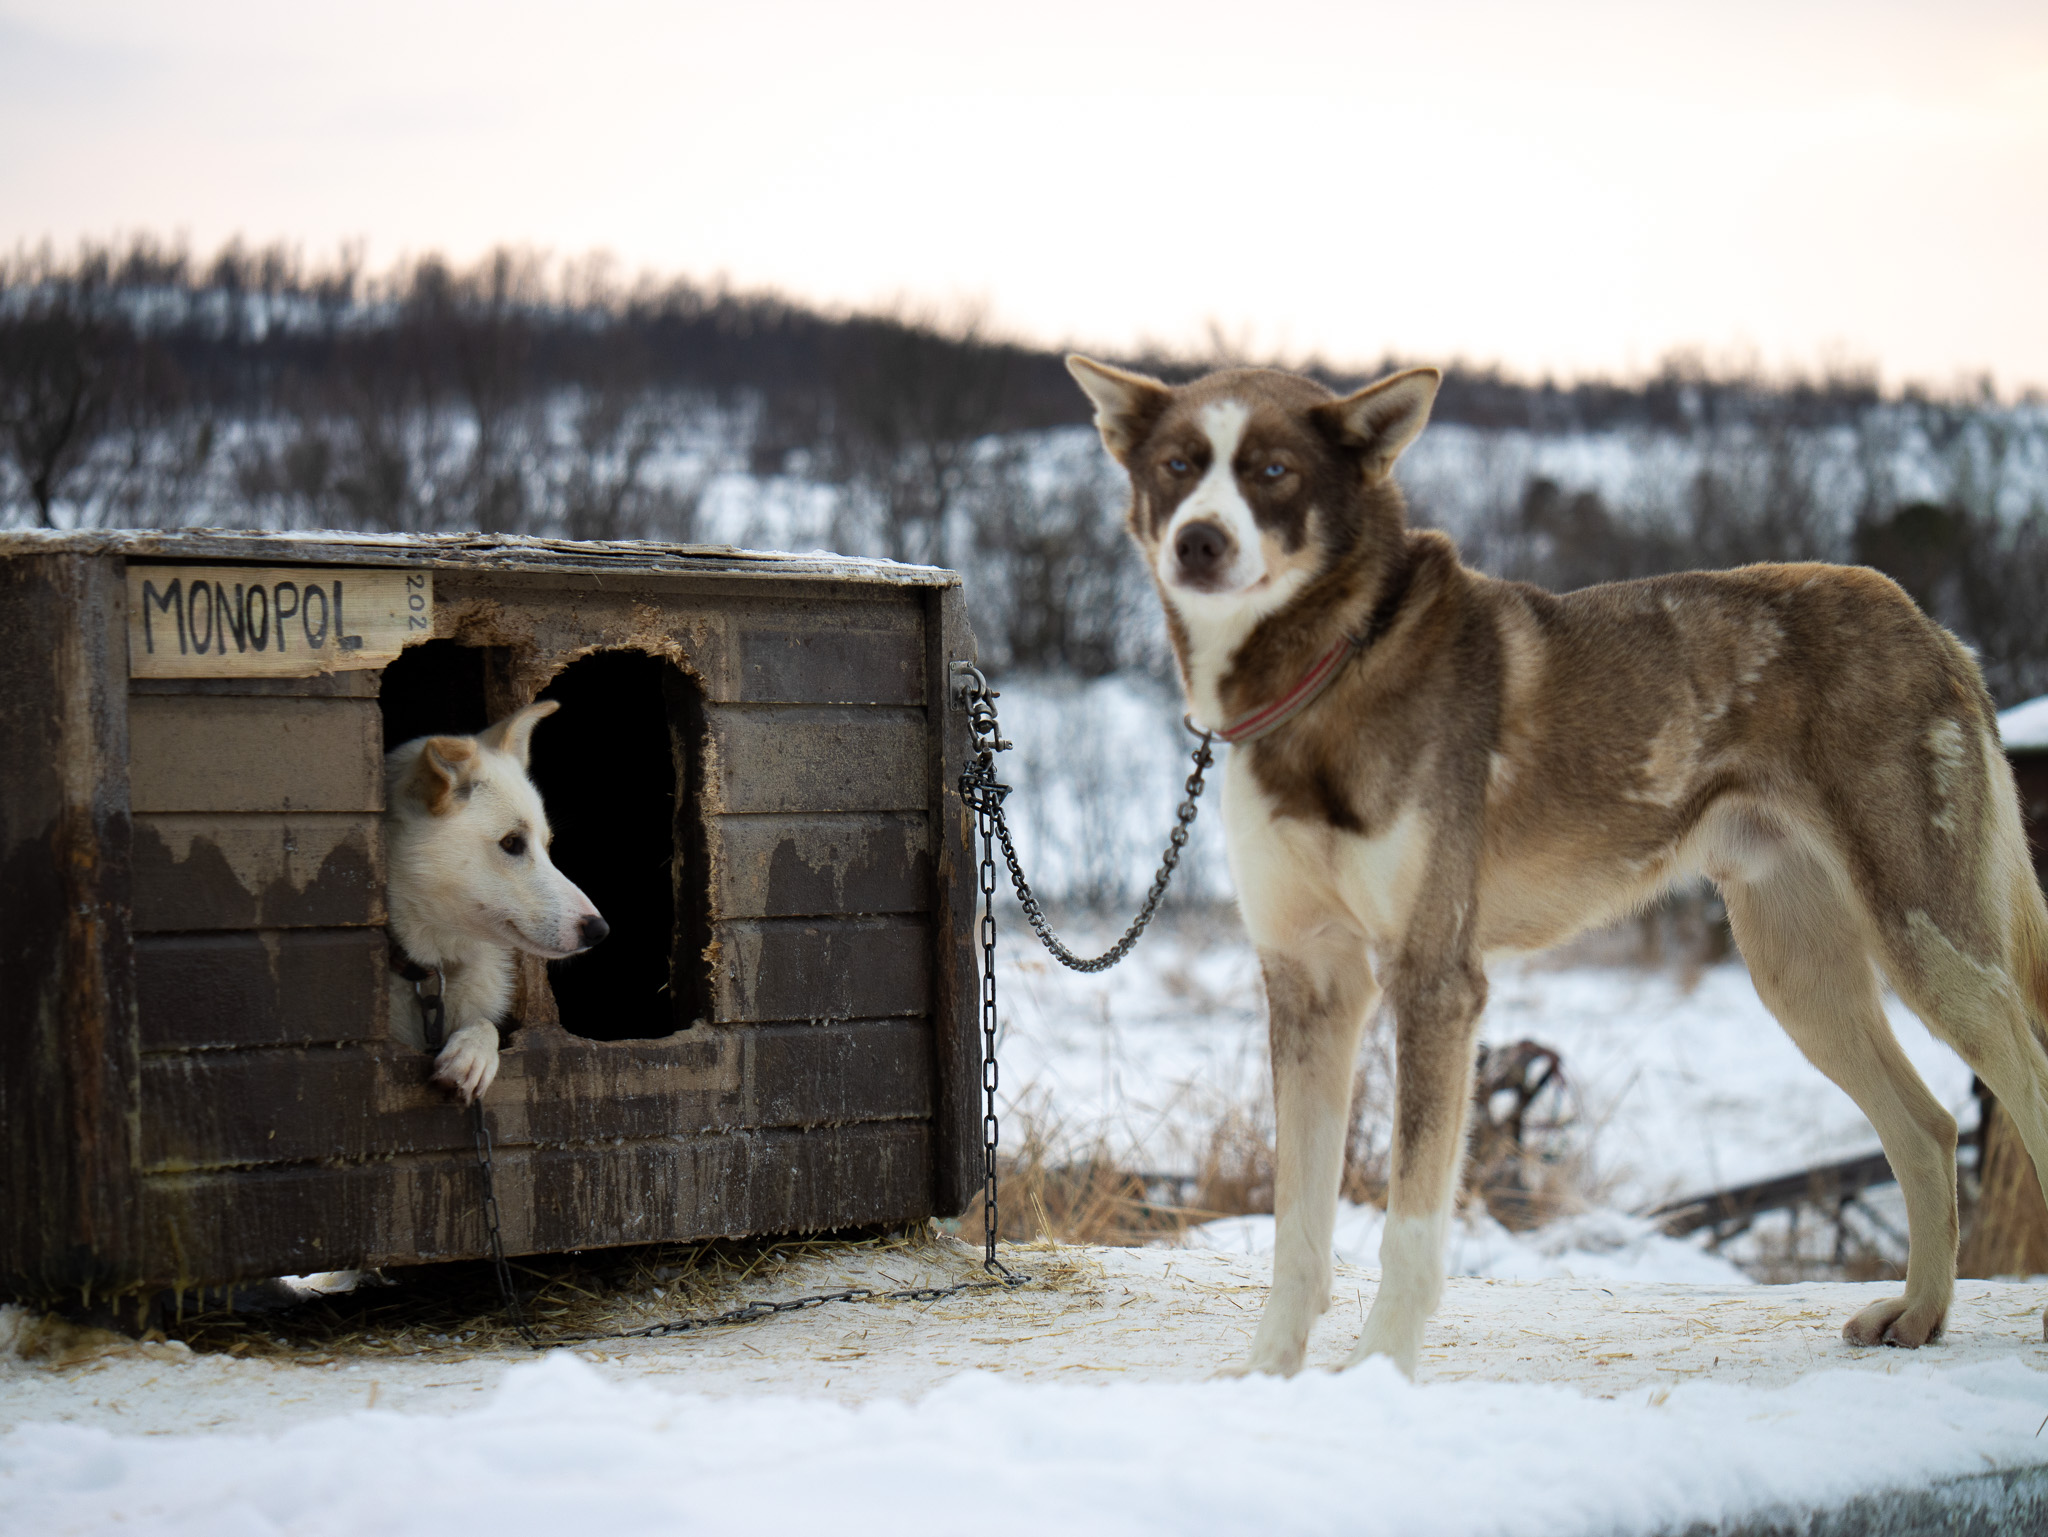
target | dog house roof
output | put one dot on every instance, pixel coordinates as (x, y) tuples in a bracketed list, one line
[(502, 552)]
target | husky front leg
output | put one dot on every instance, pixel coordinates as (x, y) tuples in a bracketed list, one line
[(1317, 1009), (474, 996), (1436, 1011)]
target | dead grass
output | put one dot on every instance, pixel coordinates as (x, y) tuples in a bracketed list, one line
[(1531, 1162), (1820, 1241), (456, 1307), (51, 1341)]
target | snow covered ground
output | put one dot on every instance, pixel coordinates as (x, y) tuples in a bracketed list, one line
[(1084, 1403), (1591, 1376)]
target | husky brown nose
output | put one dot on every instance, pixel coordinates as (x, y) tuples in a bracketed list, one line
[(1200, 548), (594, 928)]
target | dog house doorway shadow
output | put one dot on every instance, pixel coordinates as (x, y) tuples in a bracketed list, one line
[(620, 771)]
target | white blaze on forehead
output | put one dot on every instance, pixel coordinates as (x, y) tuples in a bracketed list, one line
[(1217, 500), (1223, 421), (1219, 620)]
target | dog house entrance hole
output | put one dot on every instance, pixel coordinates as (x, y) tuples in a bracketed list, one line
[(433, 689), (619, 770)]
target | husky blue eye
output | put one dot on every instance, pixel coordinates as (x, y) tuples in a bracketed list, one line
[(1178, 466), (1273, 471), (513, 844)]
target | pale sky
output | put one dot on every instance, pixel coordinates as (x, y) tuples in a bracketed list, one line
[(1570, 188)]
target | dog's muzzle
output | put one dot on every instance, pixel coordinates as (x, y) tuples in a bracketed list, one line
[(1202, 553)]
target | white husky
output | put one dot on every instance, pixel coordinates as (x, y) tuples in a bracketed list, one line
[(471, 882)]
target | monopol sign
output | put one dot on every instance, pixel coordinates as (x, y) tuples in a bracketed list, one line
[(271, 621)]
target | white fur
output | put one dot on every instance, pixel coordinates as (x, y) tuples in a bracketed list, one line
[(459, 902), (1295, 876), (1411, 1285), (1217, 500), (1317, 901), (1218, 624), (1326, 900), (1219, 619)]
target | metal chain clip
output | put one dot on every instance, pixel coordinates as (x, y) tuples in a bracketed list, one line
[(981, 790)]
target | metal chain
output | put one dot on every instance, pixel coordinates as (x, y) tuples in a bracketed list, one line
[(482, 1133), (750, 1312), (981, 790)]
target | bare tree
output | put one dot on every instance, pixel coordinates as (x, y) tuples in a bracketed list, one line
[(909, 403), (63, 358), (1057, 583)]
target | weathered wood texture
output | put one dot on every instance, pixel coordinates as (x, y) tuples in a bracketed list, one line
[(754, 642), (269, 1123), (410, 1210), (212, 871), (2008, 1230), (808, 866), (501, 556), (230, 1109), (791, 758), (205, 753), (957, 1172), (838, 660), (68, 1068), (812, 968), (272, 988), (332, 685), (2008, 1233)]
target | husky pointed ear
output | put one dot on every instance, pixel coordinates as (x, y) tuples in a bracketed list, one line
[(443, 772), (1383, 418), (514, 734), (1126, 404)]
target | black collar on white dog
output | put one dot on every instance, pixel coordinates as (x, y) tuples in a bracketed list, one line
[(433, 1013), (405, 965)]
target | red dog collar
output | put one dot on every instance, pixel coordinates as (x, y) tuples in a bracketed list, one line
[(1249, 728)]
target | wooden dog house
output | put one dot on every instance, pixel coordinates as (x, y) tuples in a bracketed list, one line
[(753, 774)]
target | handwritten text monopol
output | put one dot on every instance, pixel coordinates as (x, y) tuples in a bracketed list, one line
[(257, 616)]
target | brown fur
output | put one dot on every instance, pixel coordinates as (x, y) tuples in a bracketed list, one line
[(438, 774), (1503, 767)]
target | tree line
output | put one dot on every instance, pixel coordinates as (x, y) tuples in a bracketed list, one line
[(142, 386)]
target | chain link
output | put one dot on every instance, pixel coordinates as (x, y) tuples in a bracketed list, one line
[(751, 1312), (481, 1131), (981, 790)]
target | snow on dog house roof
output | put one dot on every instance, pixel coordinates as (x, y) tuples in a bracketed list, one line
[(509, 552), (203, 1074), (2024, 728)]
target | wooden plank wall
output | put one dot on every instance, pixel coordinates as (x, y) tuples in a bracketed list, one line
[(283, 1129), (68, 1070)]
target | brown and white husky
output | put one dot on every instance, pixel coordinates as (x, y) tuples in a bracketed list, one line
[(466, 839), (1432, 766)]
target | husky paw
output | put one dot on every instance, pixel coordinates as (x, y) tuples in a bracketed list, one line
[(1894, 1321), (1270, 1363), (1400, 1341), (468, 1062)]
